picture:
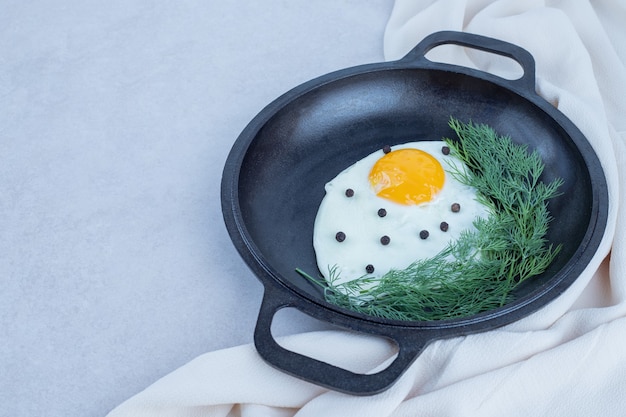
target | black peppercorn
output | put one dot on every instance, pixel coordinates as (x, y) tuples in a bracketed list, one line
[(369, 268), (445, 150), (385, 240), (382, 212), (444, 226), (456, 207), (424, 234), (349, 192), (386, 149), (340, 236)]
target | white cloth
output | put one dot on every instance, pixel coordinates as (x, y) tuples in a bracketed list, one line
[(567, 359)]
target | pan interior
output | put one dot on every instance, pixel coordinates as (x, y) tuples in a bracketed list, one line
[(296, 150)]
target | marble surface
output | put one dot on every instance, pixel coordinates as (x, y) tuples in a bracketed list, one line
[(115, 121)]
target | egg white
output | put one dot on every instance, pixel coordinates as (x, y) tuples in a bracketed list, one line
[(358, 218)]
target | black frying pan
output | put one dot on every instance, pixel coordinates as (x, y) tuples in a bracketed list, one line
[(274, 180)]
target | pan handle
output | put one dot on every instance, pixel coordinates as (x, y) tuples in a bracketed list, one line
[(482, 43), (325, 374)]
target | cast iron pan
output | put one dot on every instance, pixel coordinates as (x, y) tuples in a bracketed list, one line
[(274, 178)]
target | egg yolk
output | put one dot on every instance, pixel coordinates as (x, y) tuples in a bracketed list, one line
[(407, 176)]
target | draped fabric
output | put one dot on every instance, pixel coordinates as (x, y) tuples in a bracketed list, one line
[(567, 359)]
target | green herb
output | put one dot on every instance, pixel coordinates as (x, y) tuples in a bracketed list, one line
[(477, 272)]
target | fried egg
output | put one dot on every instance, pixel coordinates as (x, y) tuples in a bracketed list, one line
[(394, 207)]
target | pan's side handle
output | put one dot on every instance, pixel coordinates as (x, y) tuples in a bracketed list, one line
[(322, 373), (482, 43)]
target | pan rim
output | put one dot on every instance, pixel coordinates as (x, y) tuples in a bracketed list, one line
[(510, 312)]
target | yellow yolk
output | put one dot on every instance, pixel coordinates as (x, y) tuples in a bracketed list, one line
[(407, 176)]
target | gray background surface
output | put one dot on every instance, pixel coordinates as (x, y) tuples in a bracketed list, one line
[(115, 121)]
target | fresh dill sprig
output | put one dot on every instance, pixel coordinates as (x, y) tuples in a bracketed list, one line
[(477, 272)]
